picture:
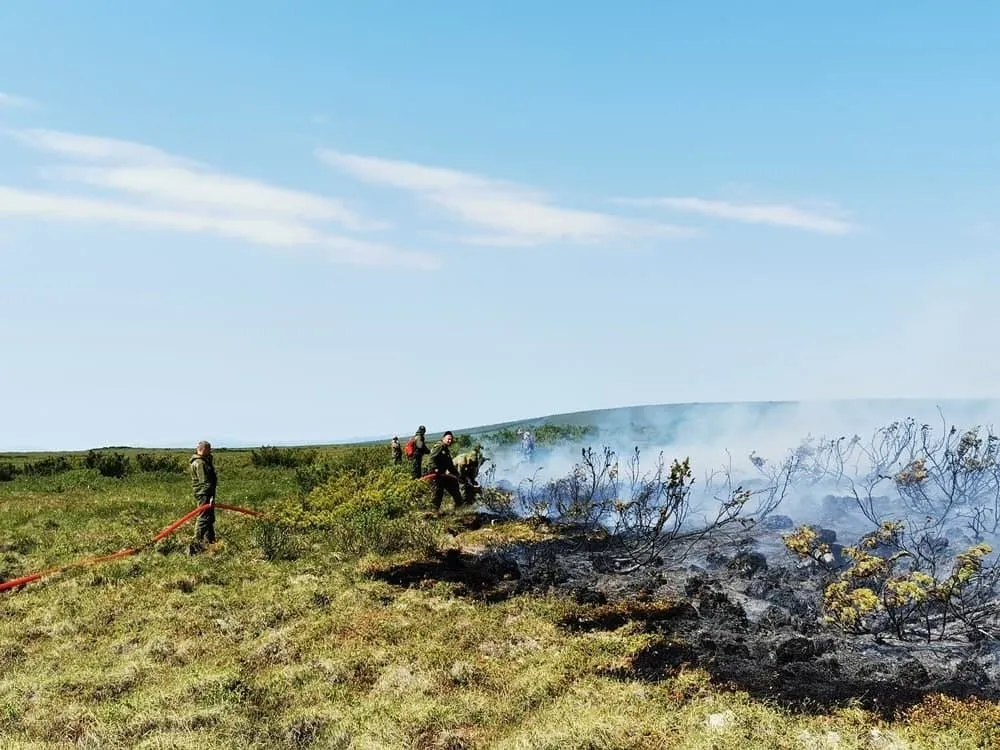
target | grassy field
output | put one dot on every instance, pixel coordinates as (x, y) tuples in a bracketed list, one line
[(282, 636)]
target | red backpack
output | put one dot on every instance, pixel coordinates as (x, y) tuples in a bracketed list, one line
[(411, 447)]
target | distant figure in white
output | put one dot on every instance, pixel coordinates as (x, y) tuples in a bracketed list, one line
[(527, 445)]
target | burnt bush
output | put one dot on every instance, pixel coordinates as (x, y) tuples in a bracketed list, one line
[(650, 514), (926, 569)]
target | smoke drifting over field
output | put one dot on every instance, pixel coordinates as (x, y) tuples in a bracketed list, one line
[(722, 438)]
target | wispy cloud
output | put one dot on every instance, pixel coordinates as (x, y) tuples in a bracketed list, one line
[(263, 230), (18, 102), (774, 214), (155, 189), (511, 214), (94, 148)]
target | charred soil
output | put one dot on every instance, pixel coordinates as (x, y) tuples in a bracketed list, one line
[(738, 607)]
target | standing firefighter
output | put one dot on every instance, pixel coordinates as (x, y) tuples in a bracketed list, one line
[(468, 465), (416, 449), (203, 483), (445, 473), (397, 450)]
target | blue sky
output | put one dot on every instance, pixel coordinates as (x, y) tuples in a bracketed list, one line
[(236, 222)]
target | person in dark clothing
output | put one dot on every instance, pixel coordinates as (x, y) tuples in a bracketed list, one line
[(419, 451), (204, 481), (397, 449), (445, 473)]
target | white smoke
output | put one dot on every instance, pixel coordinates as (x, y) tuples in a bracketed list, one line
[(720, 437)]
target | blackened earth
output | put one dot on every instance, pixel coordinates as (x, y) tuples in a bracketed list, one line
[(739, 607)]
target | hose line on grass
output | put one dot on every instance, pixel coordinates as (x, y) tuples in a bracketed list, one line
[(17, 583)]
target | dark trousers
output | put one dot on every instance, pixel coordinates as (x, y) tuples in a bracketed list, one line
[(418, 467), (469, 490), (447, 482), (204, 525)]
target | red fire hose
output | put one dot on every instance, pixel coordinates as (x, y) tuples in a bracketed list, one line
[(429, 477), (17, 583)]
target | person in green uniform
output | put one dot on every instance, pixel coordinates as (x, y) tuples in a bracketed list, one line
[(204, 481), (468, 465), (445, 473)]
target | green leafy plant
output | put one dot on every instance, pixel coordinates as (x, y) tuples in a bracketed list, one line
[(282, 458)]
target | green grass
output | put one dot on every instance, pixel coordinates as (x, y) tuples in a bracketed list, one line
[(232, 649)]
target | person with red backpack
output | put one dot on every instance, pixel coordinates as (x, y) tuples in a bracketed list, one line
[(416, 448)]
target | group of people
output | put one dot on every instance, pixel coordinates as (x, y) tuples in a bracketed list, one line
[(457, 476)]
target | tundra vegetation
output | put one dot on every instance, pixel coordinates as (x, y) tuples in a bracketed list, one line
[(633, 603)]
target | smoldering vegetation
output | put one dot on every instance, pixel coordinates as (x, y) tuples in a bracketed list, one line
[(854, 566)]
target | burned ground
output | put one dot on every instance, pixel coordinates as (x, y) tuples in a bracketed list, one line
[(742, 609)]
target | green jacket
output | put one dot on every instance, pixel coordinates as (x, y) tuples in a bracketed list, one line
[(441, 459), (203, 477), (468, 464)]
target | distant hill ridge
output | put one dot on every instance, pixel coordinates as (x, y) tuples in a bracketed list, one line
[(671, 418)]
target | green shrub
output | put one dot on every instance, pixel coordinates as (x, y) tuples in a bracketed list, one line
[(462, 443), (370, 531), (47, 467), (281, 458), (364, 510), (360, 461), (149, 462), (308, 478), (275, 540), (115, 465), (546, 434), (8, 472)]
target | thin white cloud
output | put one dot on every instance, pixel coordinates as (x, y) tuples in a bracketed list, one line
[(156, 189), (93, 148), (780, 215), (138, 169), (211, 189), (512, 214), (16, 102), (272, 232)]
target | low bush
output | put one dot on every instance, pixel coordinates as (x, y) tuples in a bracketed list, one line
[(364, 511), (281, 458), (546, 434), (359, 461), (308, 478), (167, 464), (114, 465), (47, 467), (275, 540), (881, 587), (8, 472)]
